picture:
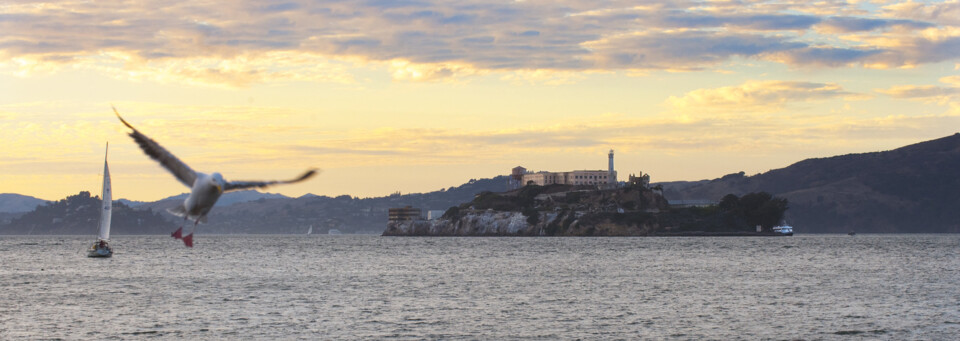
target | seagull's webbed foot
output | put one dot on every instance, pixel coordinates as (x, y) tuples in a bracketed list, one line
[(188, 239), (178, 234)]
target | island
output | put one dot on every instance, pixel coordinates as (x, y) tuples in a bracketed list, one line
[(572, 210)]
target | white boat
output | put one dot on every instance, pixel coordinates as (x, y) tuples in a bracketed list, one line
[(101, 248), (310, 230), (334, 231), (785, 230)]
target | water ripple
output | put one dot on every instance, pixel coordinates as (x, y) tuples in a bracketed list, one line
[(368, 287)]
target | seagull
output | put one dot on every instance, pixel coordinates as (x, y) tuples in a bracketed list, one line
[(205, 189)]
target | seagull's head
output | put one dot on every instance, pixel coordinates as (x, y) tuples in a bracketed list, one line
[(217, 181)]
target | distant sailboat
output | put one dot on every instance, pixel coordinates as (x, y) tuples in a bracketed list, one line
[(101, 248), (310, 230)]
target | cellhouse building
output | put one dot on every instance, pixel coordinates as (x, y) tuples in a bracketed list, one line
[(600, 178)]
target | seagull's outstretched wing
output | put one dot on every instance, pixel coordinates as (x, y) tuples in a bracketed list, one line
[(238, 185), (179, 169)]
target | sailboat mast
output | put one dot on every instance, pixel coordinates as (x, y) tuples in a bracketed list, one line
[(100, 220)]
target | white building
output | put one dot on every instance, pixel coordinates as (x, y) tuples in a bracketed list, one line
[(602, 178)]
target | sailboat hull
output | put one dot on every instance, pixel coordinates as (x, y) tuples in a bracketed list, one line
[(96, 251)]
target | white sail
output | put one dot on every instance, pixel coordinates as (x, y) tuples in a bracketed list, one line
[(106, 212)]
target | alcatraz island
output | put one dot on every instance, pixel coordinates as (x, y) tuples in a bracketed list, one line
[(592, 203)]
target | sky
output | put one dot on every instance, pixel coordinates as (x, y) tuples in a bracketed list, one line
[(414, 96)]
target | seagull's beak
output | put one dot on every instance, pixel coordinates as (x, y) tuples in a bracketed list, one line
[(219, 189)]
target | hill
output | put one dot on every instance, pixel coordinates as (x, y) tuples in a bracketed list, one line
[(345, 213), (247, 212), (226, 199), (79, 215), (15, 203), (913, 189)]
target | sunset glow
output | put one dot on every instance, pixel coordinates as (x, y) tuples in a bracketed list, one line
[(415, 96)]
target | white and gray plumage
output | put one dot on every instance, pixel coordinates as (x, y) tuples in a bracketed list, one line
[(205, 189)]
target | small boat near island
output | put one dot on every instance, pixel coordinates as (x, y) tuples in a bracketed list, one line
[(334, 232), (785, 230), (101, 248)]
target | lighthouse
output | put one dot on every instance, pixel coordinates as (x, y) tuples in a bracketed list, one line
[(611, 174)]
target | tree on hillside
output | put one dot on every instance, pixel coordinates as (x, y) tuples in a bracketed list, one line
[(760, 208), (730, 203)]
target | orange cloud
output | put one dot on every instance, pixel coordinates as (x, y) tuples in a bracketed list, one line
[(755, 96), (919, 91), (952, 80)]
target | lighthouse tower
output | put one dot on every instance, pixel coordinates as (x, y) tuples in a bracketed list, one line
[(611, 174)]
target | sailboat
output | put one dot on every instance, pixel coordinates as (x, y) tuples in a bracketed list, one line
[(310, 231), (101, 248)]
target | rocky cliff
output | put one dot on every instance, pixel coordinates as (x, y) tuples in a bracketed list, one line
[(498, 223), (570, 211)]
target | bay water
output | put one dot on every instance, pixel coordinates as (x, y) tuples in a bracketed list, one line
[(285, 287)]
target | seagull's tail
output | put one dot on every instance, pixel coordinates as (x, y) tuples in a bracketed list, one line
[(178, 211), (182, 213)]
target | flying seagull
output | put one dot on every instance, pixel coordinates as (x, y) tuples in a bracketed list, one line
[(205, 189)]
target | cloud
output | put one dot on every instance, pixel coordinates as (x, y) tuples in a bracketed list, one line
[(282, 41), (255, 145), (680, 50), (949, 95), (680, 18), (235, 71), (543, 77), (822, 56), (755, 96), (731, 134), (856, 24), (406, 71), (944, 13), (931, 46), (282, 7), (894, 127), (952, 80), (919, 91)]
